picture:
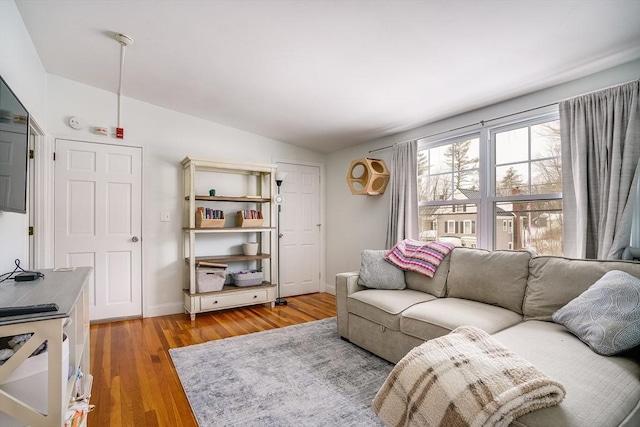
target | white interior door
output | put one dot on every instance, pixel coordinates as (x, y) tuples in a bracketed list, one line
[(98, 222), (300, 229)]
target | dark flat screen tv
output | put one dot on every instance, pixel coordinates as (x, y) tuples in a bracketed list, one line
[(14, 151)]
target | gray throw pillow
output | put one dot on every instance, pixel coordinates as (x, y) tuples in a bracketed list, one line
[(377, 273), (607, 315)]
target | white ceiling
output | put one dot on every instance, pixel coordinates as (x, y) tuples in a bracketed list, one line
[(330, 74)]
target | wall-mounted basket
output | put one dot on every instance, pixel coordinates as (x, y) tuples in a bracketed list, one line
[(367, 177)]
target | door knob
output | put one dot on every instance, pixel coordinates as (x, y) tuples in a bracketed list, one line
[(134, 239)]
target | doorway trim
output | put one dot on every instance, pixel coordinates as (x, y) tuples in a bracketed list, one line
[(41, 246)]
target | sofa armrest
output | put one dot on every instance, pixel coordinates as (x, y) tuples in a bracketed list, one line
[(346, 284)]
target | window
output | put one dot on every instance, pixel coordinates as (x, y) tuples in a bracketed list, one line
[(451, 227), (496, 188), (527, 181)]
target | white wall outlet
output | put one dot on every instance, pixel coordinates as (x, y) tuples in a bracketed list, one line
[(165, 216)]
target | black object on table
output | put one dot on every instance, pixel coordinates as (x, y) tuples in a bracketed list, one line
[(27, 309)]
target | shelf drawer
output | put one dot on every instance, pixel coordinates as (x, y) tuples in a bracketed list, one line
[(231, 300)]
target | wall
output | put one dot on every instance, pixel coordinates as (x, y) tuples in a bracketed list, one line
[(166, 137), (21, 68), (361, 221)]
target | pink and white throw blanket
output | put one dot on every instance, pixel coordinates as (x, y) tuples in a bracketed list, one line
[(465, 378), (421, 257)]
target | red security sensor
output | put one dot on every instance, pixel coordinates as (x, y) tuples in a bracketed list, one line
[(120, 133)]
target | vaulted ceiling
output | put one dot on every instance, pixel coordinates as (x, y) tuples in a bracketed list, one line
[(328, 74)]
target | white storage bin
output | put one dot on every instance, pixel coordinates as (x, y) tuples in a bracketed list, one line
[(210, 279), (28, 383), (247, 278)]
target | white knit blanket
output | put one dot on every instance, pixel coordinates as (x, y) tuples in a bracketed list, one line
[(465, 378)]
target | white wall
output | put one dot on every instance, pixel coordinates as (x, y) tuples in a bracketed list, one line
[(355, 223), (21, 68), (166, 137)]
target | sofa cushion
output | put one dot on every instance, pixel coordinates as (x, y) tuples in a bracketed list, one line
[(496, 278), (384, 306), (606, 316), (601, 391), (437, 318), (554, 281), (435, 285), (377, 273)]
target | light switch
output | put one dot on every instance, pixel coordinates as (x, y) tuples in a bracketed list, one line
[(165, 216)]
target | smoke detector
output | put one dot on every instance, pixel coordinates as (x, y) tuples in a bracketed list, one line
[(124, 39)]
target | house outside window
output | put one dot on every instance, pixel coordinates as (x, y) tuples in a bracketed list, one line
[(496, 188)]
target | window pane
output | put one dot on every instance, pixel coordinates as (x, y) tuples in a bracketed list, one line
[(438, 160), (464, 154), (512, 146), (545, 140), (455, 224), (435, 187), (466, 184), (547, 176), (512, 180), (534, 225)]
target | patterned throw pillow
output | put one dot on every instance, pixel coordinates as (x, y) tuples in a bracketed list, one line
[(607, 315), (377, 273), (421, 257)]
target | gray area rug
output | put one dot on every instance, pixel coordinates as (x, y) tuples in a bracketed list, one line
[(302, 375)]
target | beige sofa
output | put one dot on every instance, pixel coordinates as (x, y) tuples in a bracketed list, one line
[(512, 296)]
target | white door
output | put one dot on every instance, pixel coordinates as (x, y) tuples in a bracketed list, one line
[(300, 229), (98, 222)]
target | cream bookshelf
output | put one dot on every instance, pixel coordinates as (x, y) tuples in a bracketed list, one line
[(253, 189)]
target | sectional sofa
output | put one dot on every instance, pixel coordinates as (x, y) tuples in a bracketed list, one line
[(511, 295)]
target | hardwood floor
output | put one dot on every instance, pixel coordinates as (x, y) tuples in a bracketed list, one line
[(135, 383)]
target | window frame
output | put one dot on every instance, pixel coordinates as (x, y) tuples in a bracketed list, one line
[(486, 205)]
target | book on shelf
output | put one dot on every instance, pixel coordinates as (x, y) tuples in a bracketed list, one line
[(208, 213), (251, 214)]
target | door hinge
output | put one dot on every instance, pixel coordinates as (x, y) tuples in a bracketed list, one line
[(31, 231), (32, 154), (54, 156)]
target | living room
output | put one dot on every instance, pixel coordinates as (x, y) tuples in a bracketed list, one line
[(165, 135)]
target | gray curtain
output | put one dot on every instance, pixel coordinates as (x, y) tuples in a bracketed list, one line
[(600, 136), (403, 183)]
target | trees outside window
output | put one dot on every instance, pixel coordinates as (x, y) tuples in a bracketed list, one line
[(509, 197)]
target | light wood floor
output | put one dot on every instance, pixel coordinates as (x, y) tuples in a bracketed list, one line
[(135, 383)]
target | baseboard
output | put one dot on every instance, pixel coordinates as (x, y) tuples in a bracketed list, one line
[(164, 310), (330, 288)]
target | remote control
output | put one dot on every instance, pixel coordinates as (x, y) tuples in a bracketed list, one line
[(27, 309)]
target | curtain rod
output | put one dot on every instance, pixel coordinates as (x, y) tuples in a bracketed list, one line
[(481, 123)]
